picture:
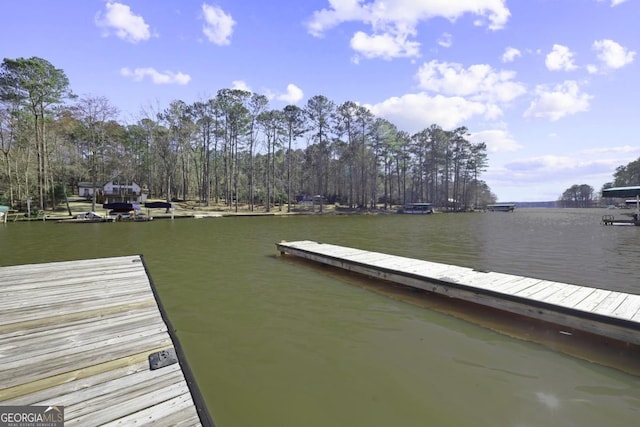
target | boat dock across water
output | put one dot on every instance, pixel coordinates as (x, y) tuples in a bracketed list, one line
[(598, 312), (90, 338), (501, 207), (624, 192), (417, 208)]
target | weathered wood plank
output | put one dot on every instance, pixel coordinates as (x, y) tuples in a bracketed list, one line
[(518, 284), (628, 308), (138, 409), (419, 270), (81, 356), (44, 311), (490, 280), (592, 301), (100, 330), (368, 257), (546, 290), (130, 312), (82, 268), (120, 390), (529, 291), (564, 292), (164, 413), (81, 292), (611, 303), (67, 278), (79, 383), (576, 297), (26, 389), (39, 322)]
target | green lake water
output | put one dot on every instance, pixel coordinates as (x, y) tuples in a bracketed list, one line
[(277, 342)]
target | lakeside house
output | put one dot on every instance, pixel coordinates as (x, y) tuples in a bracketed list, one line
[(117, 190)]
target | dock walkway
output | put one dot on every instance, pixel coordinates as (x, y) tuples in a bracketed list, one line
[(606, 313), (87, 335)]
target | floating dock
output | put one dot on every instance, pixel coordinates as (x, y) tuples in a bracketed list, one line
[(92, 336), (605, 313)]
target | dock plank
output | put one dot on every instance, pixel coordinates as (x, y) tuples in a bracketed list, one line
[(534, 286), (518, 284), (566, 289), (136, 409), (80, 356), (118, 392), (628, 309), (110, 288), (169, 411), (593, 300), (40, 311), (609, 305), (79, 334), (490, 280), (40, 342), (66, 278), (575, 298), (431, 270), (547, 290)]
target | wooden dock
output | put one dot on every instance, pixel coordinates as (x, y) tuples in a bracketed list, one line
[(605, 313), (91, 336)]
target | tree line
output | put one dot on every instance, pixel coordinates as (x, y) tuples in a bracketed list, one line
[(626, 175), (578, 196), (231, 149)]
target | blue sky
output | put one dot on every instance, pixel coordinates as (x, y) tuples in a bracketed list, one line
[(552, 86)]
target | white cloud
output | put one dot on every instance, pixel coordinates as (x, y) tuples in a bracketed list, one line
[(548, 176), (167, 77), (414, 112), (294, 94), (560, 59), (542, 165), (480, 81), (592, 69), (445, 40), (550, 168), (497, 140), (611, 54), (554, 103), (241, 85), (393, 22), (384, 46), (127, 26), (624, 149), (614, 3), (218, 25), (382, 14), (510, 54)]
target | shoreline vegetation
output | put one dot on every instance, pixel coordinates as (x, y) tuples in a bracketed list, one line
[(192, 209), (195, 209)]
